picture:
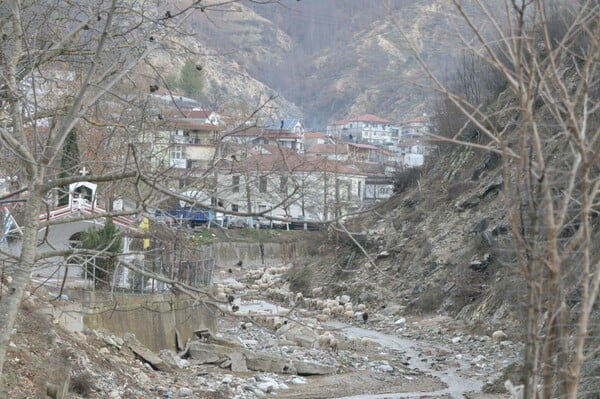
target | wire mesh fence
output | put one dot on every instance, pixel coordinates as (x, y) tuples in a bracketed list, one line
[(150, 272)]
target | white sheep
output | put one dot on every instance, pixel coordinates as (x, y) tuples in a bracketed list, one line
[(322, 318), (349, 315), (319, 304), (499, 336), (339, 309), (327, 340), (221, 296)]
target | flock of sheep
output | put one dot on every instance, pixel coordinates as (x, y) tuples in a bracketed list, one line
[(268, 283)]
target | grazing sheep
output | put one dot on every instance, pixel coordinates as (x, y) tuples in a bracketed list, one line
[(221, 296), (334, 344), (349, 315), (339, 309), (327, 340), (324, 339), (361, 307), (319, 304), (499, 336), (322, 318)]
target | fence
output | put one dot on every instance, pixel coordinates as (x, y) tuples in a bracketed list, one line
[(104, 273)]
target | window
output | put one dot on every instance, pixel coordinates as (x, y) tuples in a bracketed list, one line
[(283, 181), (235, 208), (235, 182), (177, 152), (359, 187), (262, 185)]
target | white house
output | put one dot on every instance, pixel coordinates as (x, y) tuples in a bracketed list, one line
[(367, 128)]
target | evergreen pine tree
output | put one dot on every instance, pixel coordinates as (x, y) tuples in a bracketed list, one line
[(108, 241), (69, 164), (190, 80)]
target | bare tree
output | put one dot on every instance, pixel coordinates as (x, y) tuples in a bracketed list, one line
[(86, 65), (545, 125)]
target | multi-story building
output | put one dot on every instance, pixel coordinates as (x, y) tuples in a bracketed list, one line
[(284, 183), (194, 138), (367, 128)]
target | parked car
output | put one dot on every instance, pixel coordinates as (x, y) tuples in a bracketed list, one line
[(263, 222), (302, 223), (236, 222)]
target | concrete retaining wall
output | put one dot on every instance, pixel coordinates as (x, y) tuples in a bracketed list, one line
[(257, 254), (154, 319)]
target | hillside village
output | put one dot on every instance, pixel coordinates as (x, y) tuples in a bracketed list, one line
[(283, 170)]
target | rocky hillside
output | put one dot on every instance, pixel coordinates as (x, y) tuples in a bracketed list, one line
[(324, 60), (438, 245)]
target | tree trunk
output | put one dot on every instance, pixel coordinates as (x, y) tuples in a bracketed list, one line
[(10, 304)]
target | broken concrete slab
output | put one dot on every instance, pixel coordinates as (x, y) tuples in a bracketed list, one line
[(266, 362), (238, 362), (145, 354), (303, 336), (208, 353)]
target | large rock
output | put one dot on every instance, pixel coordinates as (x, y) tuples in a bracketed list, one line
[(301, 335), (311, 368), (266, 362)]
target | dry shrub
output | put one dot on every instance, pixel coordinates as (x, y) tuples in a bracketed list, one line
[(429, 300), (406, 179), (300, 278), (468, 285)]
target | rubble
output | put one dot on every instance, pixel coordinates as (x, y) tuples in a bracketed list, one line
[(253, 356)]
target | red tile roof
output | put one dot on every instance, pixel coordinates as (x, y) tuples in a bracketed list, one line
[(76, 210), (363, 146), (315, 135), (295, 163), (193, 124), (327, 149)]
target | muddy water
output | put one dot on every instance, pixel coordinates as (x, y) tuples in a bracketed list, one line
[(456, 385)]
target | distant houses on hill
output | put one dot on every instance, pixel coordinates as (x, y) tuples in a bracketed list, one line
[(311, 174)]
